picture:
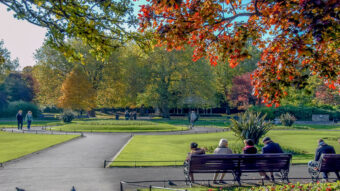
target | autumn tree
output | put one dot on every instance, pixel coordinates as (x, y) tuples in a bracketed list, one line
[(241, 92), (297, 38), (77, 91)]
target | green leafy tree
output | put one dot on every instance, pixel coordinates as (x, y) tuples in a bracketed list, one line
[(17, 87), (102, 25)]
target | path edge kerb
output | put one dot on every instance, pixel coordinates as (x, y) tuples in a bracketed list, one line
[(39, 151), (118, 153)]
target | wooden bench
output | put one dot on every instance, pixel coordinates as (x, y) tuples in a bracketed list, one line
[(238, 164), (328, 163)]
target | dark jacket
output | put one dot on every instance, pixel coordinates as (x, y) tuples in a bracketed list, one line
[(272, 148), (249, 150), (197, 151), (20, 117), (323, 149)]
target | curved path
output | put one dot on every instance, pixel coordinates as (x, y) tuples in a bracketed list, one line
[(79, 163)]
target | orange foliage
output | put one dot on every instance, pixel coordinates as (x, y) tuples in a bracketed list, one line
[(304, 37)]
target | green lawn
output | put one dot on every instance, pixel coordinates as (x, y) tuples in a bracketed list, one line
[(35, 123), (218, 122), (15, 145), (175, 147), (118, 126)]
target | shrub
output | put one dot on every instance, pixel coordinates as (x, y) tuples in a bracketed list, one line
[(303, 113), (67, 116), (287, 119), (13, 107), (250, 125)]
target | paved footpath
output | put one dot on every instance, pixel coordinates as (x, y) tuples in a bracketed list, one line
[(79, 163)]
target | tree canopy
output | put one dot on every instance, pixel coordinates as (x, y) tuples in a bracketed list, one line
[(297, 38), (102, 25)]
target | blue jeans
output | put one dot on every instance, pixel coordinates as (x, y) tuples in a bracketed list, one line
[(20, 124), (29, 125)]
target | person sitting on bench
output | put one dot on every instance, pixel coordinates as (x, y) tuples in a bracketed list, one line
[(249, 147), (323, 148), (222, 149), (194, 151), (269, 147)]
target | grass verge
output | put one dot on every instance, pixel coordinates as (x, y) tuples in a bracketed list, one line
[(15, 145), (118, 126), (301, 143)]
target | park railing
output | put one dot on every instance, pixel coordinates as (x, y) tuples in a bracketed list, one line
[(135, 164), (146, 185)]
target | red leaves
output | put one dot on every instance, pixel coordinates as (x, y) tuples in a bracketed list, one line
[(302, 37)]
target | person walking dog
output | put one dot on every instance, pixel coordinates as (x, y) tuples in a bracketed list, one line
[(29, 119), (20, 119)]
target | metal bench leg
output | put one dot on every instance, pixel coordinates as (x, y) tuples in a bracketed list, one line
[(237, 177)]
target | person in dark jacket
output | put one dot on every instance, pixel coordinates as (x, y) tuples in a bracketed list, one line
[(269, 147), (249, 147), (20, 119), (323, 148), (194, 150)]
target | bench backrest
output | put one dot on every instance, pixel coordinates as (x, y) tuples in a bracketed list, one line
[(239, 162), (330, 163)]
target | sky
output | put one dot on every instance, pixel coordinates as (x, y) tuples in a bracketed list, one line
[(20, 37)]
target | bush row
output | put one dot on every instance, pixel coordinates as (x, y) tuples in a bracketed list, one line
[(303, 113), (13, 107)]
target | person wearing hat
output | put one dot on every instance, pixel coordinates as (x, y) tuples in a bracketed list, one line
[(323, 148), (222, 149), (269, 148), (194, 150)]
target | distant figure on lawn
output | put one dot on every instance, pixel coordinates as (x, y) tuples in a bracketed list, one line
[(323, 148), (194, 151), (249, 147), (222, 149), (269, 147), (134, 114), (20, 119), (29, 119), (127, 115), (117, 116), (192, 118)]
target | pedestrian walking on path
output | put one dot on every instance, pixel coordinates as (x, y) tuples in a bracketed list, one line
[(192, 118), (29, 119), (20, 119)]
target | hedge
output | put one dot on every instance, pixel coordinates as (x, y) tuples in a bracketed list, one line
[(13, 107), (303, 113)]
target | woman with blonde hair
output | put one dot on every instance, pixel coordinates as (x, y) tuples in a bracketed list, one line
[(29, 119), (222, 149)]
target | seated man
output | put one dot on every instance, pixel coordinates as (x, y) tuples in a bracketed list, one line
[(323, 148), (269, 147), (194, 151)]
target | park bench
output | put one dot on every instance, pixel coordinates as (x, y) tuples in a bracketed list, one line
[(328, 163), (238, 164)]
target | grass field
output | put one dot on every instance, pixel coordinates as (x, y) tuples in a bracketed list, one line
[(35, 123), (118, 126), (15, 145), (301, 143)]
